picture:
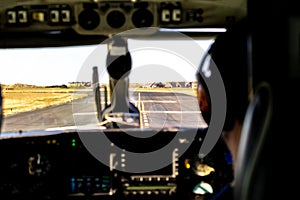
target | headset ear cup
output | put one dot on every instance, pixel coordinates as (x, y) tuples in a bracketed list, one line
[(204, 100)]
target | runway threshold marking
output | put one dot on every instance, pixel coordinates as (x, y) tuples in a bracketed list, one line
[(156, 101), (143, 116), (171, 112), (85, 113), (139, 107)]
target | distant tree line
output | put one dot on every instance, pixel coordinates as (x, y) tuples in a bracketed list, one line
[(57, 86)]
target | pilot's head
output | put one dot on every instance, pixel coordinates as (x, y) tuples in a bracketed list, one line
[(229, 53)]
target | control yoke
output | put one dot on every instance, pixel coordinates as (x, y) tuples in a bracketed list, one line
[(120, 112)]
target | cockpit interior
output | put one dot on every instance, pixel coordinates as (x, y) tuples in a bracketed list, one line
[(99, 100)]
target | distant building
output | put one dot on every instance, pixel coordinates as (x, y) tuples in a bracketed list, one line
[(188, 84), (178, 85), (168, 85), (80, 84)]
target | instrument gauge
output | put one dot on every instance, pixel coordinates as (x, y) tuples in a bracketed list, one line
[(38, 165)]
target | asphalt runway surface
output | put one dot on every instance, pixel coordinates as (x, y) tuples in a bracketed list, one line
[(157, 110)]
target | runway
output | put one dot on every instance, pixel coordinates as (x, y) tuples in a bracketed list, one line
[(157, 110)]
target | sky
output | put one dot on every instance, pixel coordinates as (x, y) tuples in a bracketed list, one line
[(57, 66)]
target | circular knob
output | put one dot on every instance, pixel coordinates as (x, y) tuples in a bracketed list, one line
[(89, 19), (115, 19), (142, 18)]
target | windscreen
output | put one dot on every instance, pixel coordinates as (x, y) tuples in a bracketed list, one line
[(51, 88)]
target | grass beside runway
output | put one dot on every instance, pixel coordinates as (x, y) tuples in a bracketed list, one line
[(28, 99)]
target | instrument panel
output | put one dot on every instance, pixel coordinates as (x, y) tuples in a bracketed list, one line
[(59, 166)]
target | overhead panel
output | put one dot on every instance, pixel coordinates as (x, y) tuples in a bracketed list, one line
[(110, 17)]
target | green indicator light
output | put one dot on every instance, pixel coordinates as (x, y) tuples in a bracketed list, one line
[(73, 142)]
